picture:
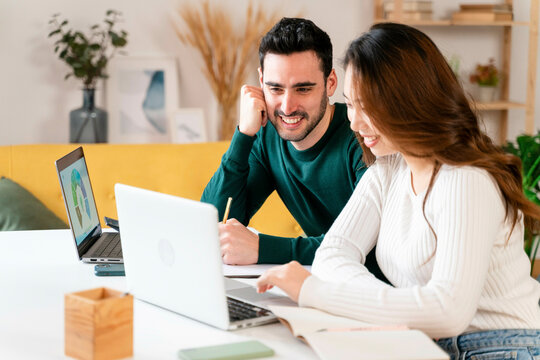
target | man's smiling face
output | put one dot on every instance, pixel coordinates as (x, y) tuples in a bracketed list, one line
[(296, 94)]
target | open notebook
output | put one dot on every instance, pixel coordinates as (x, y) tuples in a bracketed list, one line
[(328, 336)]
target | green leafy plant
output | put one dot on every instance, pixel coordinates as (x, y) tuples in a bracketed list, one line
[(527, 148), (485, 75), (88, 55)]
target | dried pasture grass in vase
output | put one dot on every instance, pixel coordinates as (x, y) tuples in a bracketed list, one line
[(226, 52)]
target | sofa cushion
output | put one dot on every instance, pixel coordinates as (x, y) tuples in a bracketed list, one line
[(20, 210)]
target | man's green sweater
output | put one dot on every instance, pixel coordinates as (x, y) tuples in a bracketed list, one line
[(314, 184)]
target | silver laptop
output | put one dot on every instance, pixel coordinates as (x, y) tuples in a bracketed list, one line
[(172, 259), (93, 245)]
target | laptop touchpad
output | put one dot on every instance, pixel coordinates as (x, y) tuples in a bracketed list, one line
[(231, 284), (250, 294)]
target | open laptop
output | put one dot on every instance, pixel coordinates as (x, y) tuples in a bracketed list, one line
[(93, 245), (172, 259)]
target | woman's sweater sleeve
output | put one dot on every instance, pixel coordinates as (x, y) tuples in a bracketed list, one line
[(467, 222)]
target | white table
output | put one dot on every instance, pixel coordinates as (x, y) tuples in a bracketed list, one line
[(38, 267)]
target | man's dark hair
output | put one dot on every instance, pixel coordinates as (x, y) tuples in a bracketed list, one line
[(291, 35)]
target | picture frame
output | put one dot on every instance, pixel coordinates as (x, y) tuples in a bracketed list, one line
[(141, 93), (188, 125)]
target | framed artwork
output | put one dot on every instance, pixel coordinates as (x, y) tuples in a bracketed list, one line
[(187, 125), (141, 92)]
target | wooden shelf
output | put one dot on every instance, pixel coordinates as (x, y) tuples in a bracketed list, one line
[(490, 23), (448, 22), (507, 28), (499, 105), (419, 22)]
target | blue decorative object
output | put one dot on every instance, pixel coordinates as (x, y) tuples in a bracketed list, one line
[(154, 102), (88, 124)]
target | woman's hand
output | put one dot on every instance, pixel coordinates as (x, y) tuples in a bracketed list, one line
[(289, 278)]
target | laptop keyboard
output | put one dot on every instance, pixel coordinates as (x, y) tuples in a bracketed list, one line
[(110, 246), (239, 310)]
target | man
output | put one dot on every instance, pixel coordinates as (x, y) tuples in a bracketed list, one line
[(306, 152)]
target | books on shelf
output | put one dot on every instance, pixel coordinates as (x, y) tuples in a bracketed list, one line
[(481, 16), (486, 7), (483, 12), (335, 337), (422, 6), (411, 10), (409, 15)]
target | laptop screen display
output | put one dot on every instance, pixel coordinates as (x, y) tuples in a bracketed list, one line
[(79, 200)]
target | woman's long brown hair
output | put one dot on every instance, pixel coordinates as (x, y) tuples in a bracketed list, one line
[(412, 97)]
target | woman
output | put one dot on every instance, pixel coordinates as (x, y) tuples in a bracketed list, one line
[(443, 204)]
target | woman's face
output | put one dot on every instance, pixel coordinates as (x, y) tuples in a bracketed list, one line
[(360, 121)]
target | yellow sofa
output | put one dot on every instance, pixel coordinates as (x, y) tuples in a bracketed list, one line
[(177, 169)]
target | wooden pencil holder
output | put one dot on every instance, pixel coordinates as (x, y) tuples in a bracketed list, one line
[(98, 324)]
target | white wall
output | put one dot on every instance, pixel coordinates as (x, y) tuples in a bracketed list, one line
[(35, 101)]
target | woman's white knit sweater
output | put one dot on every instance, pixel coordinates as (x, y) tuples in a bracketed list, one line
[(470, 277)]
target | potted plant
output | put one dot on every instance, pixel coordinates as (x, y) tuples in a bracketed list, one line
[(486, 76), (88, 56), (528, 150)]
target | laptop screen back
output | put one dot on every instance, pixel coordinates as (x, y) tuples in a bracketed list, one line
[(78, 197), (172, 254)]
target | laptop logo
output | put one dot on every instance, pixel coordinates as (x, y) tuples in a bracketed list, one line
[(166, 253)]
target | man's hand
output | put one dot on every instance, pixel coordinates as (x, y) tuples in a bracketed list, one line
[(289, 278), (252, 110), (239, 245)]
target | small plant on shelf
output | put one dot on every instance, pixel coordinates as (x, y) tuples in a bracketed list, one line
[(485, 75)]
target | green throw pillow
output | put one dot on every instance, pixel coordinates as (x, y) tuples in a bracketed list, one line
[(20, 210)]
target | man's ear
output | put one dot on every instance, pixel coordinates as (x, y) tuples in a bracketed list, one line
[(331, 83), (260, 76)]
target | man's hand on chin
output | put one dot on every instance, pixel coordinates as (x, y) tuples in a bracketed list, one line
[(239, 245)]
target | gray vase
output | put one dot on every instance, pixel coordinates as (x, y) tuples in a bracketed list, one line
[(88, 124)]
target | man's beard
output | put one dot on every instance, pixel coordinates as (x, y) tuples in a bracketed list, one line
[(310, 125)]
